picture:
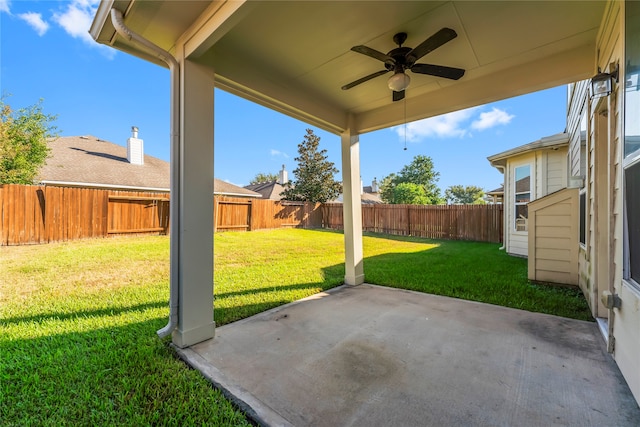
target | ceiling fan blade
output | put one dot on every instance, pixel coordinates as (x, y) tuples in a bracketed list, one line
[(432, 43), (438, 71), (397, 96), (373, 54), (364, 79)]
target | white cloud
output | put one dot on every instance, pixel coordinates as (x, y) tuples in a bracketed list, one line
[(76, 21), (276, 153), (4, 6), (492, 118), (453, 125), (445, 126), (35, 21)]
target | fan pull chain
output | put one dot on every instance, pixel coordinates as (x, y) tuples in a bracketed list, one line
[(405, 123)]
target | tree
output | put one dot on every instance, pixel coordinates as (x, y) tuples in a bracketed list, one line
[(23, 142), (314, 176), (408, 193), (261, 178), (469, 195), (387, 185), (421, 172)]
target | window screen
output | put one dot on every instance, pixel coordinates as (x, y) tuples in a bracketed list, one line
[(632, 181), (522, 196)]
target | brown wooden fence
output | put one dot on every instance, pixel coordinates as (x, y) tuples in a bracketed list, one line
[(32, 214), (40, 214), (255, 214), (482, 223)]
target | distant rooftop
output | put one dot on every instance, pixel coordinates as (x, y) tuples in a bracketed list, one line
[(87, 161), (269, 190)]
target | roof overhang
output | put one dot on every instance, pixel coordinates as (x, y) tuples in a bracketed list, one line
[(250, 196), (294, 57), (552, 142), (101, 186)]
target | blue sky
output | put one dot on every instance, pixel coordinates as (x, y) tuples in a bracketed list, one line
[(46, 53)]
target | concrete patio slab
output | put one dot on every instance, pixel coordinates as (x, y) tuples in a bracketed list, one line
[(375, 356)]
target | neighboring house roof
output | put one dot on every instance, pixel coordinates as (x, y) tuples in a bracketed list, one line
[(548, 142), (269, 190), (370, 198), (495, 196), (223, 188), (91, 162), (88, 161), (496, 192), (365, 198)]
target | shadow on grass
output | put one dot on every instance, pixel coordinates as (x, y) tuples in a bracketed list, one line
[(114, 375), (272, 296), (84, 313), (476, 272), (331, 274)]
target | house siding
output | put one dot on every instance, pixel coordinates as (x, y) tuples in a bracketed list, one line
[(548, 175), (576, 108), (556, 172), (540, 183)]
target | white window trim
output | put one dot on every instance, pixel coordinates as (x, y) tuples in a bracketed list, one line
[(531, 192)]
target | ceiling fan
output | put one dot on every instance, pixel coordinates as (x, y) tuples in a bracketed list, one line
[(404, 58)]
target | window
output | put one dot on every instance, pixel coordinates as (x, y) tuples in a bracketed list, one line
[(632, 190), (631, 161), (583, 174), (522, 187), (583, 218)]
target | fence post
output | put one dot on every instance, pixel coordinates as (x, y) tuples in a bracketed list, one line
[(215, 214)]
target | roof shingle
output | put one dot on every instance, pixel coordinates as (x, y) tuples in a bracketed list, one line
[(92, 162)]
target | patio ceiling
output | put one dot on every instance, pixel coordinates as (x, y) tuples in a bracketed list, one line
[(295, 56)]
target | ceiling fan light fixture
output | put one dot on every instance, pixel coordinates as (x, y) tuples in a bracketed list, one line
[(398, 82)]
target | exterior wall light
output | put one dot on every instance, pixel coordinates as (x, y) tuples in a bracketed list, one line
[(398, 82), (601, 83)]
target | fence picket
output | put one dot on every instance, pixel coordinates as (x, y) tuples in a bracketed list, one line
[(34, 214), (481, 223)]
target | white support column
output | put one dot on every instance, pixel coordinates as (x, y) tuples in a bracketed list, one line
[(193, 258), (352, 209)]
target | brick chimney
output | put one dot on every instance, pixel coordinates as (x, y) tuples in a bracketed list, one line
[(135, 148), (283, 176)]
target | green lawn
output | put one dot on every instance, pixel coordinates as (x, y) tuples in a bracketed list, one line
[(467, 270), (78, 320)]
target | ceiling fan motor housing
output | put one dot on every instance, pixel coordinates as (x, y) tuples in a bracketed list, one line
[(399, 56)]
